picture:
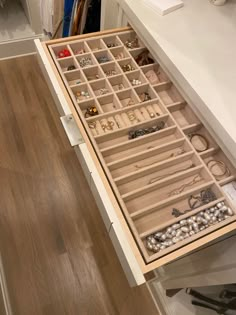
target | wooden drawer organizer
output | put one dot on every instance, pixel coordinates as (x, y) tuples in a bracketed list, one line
[(145, 170)]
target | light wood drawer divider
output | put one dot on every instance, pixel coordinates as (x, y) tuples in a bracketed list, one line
[(151, 171)]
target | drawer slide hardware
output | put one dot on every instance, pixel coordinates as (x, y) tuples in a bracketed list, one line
[(72, 130)]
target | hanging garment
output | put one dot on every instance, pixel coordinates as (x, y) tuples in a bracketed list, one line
[(46, 13), (93, 17), (68, 7)]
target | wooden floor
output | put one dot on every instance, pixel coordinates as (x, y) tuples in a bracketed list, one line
[(56, 254)]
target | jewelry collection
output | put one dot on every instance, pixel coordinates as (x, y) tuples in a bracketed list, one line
[(112, 45), (121, 113), (82, 95), (204, 144), (215, 166), (156, 179), (64, 53), (188, 227), (121, 120), (91, 111), (144, 97), (131, 44), (144, 58), (79, 52), (103, 59), (196, 179), (110, 73), (174, 154), (85, 62), (128, 67), (195, 201), (71, 67), (135, 82), (133, 134)]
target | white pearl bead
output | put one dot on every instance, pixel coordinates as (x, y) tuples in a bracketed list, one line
[(190, 221), (178, 233), (206, 216), (184, 229), (173, 233), (230, 212), (219, 205), (183, 222), (163, 237), (176, 226), (168, 235), (149, 246), (162, 247), (224, 208), (169, 230), (175, 240), (156, 249)]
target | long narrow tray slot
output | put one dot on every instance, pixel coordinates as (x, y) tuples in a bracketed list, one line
[(153, 207), (161, 111), (152, 174), (148, 141), (162, 211), (156, 192), (196, 236), (122, 135)]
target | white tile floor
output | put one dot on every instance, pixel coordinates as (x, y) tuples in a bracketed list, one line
[(13, 22)]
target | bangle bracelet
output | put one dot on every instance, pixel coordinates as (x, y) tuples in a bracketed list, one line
[(221, 165), (205, 141)]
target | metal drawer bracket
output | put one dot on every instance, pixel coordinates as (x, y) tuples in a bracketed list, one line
[(72, 130)]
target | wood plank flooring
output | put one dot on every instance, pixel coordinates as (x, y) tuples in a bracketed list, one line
[(57, 257)]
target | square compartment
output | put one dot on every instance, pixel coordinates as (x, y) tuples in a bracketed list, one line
[(160, 74), (145, 89), (183, 115), (109, 103), (100, 85), (84, 105), (130, 36), (110, 69), (93, 73), (65, 63), (83, 57), (57, 48), (79, 89), (227, 167), (111, 41), (127, 98), (79, 48), (119, 82), (137, 76), (96, 44), (103, 53), (74, 77), (119, 53), (168, 93), (127, 62), (137, 53)]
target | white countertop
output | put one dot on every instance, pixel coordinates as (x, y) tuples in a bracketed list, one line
[(199, 40)]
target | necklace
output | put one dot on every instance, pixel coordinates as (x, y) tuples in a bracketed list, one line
[(195, 201), (155, 179), (179, 190), (179, 152)]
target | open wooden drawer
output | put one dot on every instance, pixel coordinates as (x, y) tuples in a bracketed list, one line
[(154, 169)]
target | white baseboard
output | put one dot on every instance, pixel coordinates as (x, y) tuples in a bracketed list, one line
[(19, 47)]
